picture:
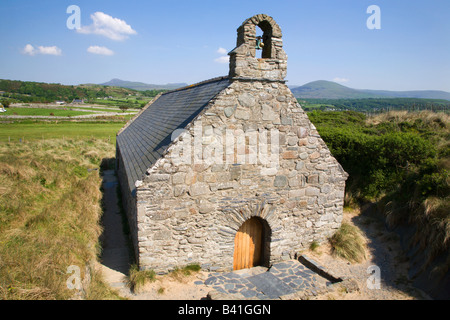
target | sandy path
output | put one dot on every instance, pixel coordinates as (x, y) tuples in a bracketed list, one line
[(383, 254)]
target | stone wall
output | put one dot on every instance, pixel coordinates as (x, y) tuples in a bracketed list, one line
[(190, 212)]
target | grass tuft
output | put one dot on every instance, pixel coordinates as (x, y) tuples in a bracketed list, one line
[(139, 278), (180, 274), (314, 245), (348, 243)]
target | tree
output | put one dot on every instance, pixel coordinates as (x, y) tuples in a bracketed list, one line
[(123, 108), (6, 103)]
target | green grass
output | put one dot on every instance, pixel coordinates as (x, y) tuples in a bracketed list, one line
[(61, 112), (44, 112), (106, 110), (131, 102), (138, 278), (314, 245), (180, 274), (31, 131), (187, 270), (50, 209)]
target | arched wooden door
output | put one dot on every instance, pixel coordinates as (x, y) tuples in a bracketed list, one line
[(248, 245)]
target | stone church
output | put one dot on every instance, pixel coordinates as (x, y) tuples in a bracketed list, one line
[(229, 173)]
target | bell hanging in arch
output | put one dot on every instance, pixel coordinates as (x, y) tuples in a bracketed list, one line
[(259, 43)]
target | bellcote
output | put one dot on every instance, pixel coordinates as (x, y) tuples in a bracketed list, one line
[(244, 64)]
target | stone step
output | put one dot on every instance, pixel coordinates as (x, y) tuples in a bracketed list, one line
[(270, 286)]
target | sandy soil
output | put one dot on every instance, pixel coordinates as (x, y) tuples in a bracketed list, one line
[(170, 287), (383, 251)]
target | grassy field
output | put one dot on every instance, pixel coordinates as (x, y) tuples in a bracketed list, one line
[(45, 112), (32, 131), (50, 206), (131, 102), (107, 109), (50, 209)]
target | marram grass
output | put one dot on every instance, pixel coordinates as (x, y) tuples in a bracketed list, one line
[(348, 243), (50, 208)]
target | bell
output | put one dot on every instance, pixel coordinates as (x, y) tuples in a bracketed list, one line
[(259, 43)]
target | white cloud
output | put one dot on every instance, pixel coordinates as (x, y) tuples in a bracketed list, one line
[(50, 50), (222, 50), (343, 80), (30, 50), (105, 25), (222, 59), (100, 50)]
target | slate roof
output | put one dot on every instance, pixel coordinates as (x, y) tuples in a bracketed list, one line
[(148, 136)]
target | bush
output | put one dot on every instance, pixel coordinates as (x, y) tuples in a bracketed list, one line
[(402, 161), (377, 157)]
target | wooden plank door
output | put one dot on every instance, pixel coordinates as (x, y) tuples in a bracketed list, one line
[(248, 245)]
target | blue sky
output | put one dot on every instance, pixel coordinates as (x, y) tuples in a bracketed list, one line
[(184, 41)]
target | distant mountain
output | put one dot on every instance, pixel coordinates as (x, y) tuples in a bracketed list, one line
[(142, 86), (331, 90)]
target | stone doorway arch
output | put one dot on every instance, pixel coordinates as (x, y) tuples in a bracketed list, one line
[(252, 244)]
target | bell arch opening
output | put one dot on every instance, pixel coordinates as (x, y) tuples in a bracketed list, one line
[(267, 32)]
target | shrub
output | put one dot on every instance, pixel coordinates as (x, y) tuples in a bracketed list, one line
[(402, 161)]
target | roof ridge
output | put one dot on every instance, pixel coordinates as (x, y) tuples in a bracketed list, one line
[(197, 84)]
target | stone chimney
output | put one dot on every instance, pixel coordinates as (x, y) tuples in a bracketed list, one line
[(272, 65)]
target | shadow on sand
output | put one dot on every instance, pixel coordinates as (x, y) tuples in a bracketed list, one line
[(116, 253), (387, 252)]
